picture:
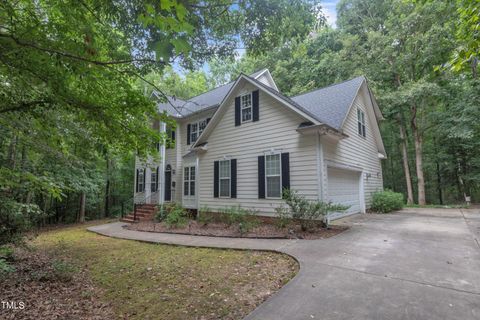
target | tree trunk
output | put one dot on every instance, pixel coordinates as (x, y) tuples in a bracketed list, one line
[(418, 157), (439, 183), (12, 152), (81, 214), (406, 167)]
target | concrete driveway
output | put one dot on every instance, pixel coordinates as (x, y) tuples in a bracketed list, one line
[(415, 264)]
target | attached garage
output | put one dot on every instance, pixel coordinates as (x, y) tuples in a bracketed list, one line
[(344, 187)]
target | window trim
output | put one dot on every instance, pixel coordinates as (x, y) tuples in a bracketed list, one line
[(153, 174), (141, 182), (361, 126), (198, 132), (229, 178), (189, 180), (279, 154), (242, 108)]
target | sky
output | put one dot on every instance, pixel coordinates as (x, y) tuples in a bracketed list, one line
[(329, 8)]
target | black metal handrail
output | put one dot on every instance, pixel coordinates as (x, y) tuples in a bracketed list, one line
[(144, 200)]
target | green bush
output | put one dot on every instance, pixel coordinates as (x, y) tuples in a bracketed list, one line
[(16, 219), (163, 210), (308, 213), (387, 201), (176, 217), (204, 217)]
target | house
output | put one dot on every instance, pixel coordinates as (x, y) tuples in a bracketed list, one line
[(241, 143)]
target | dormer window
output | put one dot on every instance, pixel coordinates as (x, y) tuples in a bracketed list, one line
[(361, 123), (246, 107)]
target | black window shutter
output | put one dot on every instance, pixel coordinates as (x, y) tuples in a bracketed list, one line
[(237, 111), (233, 177), (285, 171), (208, 120), (144, 175), (188, 133), (136, 183), (215, 179), (173, 136), (158, 181), (261, 177), (255, 109)]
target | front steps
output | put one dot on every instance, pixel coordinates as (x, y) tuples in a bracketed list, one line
[(145, 212)]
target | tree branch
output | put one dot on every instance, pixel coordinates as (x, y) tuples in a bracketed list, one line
[(75, 57)]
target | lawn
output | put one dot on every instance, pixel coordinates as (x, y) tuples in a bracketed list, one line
[(150, 281)]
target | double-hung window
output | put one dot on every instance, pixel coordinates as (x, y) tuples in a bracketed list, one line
[(273, 176), (189, 181), (361, 123), (154, 181), (193, 132), (196, 129), (141, 180), (246, 107), (225, 178)]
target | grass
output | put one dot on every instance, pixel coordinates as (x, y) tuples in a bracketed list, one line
[(152, 281)]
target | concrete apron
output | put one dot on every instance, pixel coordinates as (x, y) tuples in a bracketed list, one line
[(414, 264)]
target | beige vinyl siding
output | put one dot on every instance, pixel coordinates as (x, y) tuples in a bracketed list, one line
[(182, 148), (356, 150), (276, 129)]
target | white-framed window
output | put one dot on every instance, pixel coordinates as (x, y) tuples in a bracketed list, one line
[(189, 181), (141, 180), (246, 107), (273, 176), (193, 132), (154, 181), (196, 129), (361, 123), (225, 179)]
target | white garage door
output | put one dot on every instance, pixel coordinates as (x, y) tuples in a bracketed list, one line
[(343, 188)]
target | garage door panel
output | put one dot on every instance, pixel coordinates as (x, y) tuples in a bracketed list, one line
[(343, 188)]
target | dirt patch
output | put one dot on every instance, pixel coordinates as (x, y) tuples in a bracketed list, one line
[(218, 229), (44, 288)]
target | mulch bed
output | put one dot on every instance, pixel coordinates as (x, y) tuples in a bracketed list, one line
[(48, 294), (218, 229)]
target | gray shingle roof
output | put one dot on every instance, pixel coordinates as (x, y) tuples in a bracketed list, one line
[(330, 105), (208, 99), (327, 105)]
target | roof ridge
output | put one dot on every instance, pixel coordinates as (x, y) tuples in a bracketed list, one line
[(331, 85), (223, 85)]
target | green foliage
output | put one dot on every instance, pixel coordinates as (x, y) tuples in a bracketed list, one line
[(16, 219), (283, 218), (308, 213), (204, 216), (387, 201), (5, 268), (63, 270), (6, 253), (177, 217)]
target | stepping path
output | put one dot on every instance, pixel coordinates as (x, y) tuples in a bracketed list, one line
[(414, 264)]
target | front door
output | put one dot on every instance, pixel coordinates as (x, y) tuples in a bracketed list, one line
[(168, 185)]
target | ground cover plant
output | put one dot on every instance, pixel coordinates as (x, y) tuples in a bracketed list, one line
[(70, 272)]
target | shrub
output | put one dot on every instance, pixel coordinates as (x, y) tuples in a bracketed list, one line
[(204, 217), (163, 210), (63, 271), (387, 201), (16, 219), (309, 213), (283, 217), (248, 224), (177, 217)]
